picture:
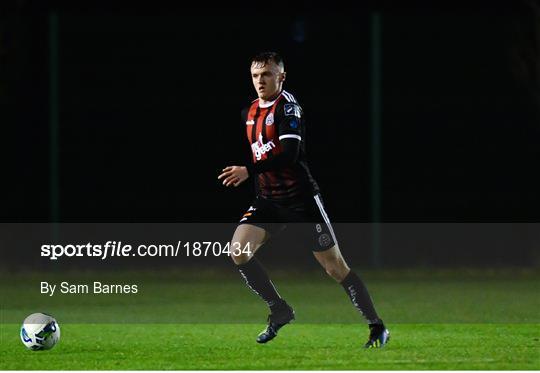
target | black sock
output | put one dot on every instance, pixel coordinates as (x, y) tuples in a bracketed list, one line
[(257, 280), (358, 293)]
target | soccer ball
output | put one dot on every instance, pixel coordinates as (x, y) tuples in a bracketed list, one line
[(40, 331)]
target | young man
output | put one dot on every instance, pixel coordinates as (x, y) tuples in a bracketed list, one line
[(287, 193)]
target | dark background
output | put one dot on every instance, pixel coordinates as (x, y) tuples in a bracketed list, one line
[(149, 106)]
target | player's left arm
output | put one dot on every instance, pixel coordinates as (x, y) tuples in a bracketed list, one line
[(236, 175), (290, 148)]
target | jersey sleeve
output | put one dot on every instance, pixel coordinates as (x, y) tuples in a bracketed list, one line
[(290, 121)]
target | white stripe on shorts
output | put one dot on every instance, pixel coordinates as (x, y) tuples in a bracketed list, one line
[(325, 217)]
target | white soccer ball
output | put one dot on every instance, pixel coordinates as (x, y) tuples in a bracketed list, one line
[(40, 331)]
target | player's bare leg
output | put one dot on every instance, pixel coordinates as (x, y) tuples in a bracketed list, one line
[(247, 235), (333, 263), (257, 279), (336, 267)]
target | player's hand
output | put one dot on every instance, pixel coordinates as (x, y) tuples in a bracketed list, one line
[(234, 175)]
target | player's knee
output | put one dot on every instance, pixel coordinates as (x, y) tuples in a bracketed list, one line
[(239, 256), (240, 259), (337, 269), (333, 272)]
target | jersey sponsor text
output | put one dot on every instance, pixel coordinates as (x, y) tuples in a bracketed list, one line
[(259, 148)]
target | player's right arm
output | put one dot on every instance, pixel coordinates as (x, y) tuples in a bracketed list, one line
[(234, 175)]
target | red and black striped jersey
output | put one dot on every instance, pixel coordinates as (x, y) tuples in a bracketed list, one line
[(268, 127)]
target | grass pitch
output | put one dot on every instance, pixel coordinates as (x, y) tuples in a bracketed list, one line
[(464, 320), (300, 346)]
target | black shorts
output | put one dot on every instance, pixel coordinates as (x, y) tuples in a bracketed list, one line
[(305, 215)]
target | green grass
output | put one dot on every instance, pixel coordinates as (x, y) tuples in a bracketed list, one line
[(300, 346), (194, 319)]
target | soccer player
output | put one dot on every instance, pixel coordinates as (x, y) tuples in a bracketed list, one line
[(286, 193)]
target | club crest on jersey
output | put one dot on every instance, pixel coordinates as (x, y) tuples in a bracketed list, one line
[(269, 119), (259, 148), (292, 110)]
